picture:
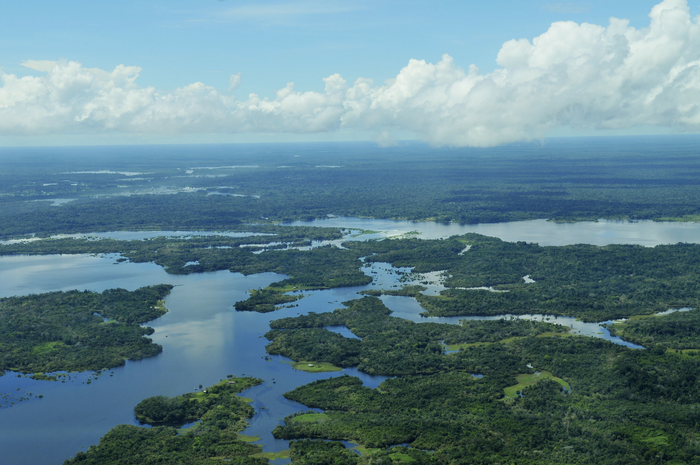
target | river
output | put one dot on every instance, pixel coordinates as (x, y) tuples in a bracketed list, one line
[(204, 339)]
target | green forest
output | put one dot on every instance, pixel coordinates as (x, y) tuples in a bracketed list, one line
[(391, 346), (619, 405), (623, 405), (482, 392), (589, 282), (679, 330), (78, 331), (562, 181), (317, 268), (221, 414)]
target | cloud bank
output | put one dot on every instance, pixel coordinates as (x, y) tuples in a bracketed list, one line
[(579, 76)]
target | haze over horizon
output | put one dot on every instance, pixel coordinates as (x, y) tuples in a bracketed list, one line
[(461, 75)]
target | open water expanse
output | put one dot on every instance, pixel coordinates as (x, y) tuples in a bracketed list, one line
[(204, 338), (602, 232)]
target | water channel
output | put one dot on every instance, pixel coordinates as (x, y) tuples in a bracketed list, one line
[(204, 339)]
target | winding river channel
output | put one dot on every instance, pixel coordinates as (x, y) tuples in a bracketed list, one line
[(204, 339)]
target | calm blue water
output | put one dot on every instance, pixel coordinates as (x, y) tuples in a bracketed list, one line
[(343, 331), (204, 339), (409, 308), (543, 232)]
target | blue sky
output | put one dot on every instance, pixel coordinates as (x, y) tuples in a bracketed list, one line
[(179, 43)]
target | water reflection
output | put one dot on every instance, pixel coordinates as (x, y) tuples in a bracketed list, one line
[(409, 309), (543, 232), (204, 339), (140, 235), (343, 331)]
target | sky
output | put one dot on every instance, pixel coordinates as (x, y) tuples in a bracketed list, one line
[(450, 73)]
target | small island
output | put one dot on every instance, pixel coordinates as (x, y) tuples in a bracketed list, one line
[(316, 367), (78, 330), (221, 414)]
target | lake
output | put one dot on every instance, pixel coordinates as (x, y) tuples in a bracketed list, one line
[(205, 339), (601, 232)]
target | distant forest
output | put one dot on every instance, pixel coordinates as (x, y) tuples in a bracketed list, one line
[(631, 178), (494, 392)]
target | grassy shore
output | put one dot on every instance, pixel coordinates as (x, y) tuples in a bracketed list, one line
[(528, 379), (316, 367)]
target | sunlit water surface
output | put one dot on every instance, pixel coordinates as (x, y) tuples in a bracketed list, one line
[(205, 339)]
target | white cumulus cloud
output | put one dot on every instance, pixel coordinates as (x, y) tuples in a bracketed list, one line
[(580, 76), (39, 65), (234, 81)]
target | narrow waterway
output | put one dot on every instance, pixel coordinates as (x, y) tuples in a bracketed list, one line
[(205, 339)]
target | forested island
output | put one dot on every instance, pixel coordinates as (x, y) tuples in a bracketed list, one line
[(589, 282), (78, 331), (221, 414), (499, 391), (518, 391), (621, 405), (390, 346)]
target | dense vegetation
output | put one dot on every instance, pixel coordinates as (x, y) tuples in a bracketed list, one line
[(318, 452), (390, 346), (584, 281), (218, 402), (222, 414), (679, 330), (317, 268), (78, 331), (175, 252), (624, 407), (315, 452), (651, 178)]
